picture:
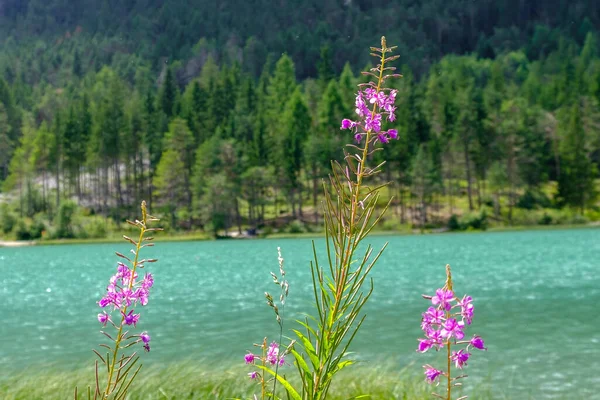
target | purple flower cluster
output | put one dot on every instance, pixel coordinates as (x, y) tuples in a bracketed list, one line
[(443, 327), (125, 290), (272, 358), (370, 120)]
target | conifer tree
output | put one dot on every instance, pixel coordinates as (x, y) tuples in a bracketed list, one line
[(325, 69), (168, 94), (297, 123), (576, 182)]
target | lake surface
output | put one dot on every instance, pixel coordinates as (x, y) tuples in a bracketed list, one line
[(536, 297)]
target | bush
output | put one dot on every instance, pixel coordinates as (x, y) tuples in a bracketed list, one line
[(37, 228), (578, 219), (545, 220), (266, 231), (389, 224), (472, 221), (488, 201), (95, 227), (64, 220), (7, 219), (296, 226), (453, 223), (531, 200), (21, 230), (475, 221)]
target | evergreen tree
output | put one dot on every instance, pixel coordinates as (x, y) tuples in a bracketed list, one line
[(152, 137), (179, 140), (576, 182), (6, 144), (40, 158), (77, 68), (11, 111), (424, 182), (296, 122), (168, 94), (71, 147), (347, 86), (325, 69), (170, 183)]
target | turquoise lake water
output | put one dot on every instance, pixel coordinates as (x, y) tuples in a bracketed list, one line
[(536, 297)]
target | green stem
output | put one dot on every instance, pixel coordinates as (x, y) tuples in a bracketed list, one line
[(448, 286), (119, 338), (279, 344), (448, 397), (351, 245)]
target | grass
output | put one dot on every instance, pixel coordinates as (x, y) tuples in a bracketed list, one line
[(198, 381)]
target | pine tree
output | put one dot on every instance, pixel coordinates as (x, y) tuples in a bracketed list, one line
[(170, 183), (179, 139), (40, 158), (77, 68), (12, 113), (347, 86), (325, 69), (71, 147), (576, 182), (6, 144), (152, 136), (423, 177), (296, 122), (168, 94)]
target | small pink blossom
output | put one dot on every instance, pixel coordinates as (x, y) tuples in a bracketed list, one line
[(431, 374), (424, 345), (478, 343), (103, 318), (249, 358), (454, 328), (443, 297), (460, 358), (130, 318)]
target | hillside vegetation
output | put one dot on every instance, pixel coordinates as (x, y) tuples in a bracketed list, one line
[(225, 115)]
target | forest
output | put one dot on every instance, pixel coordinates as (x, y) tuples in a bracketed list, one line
[(224, 121)]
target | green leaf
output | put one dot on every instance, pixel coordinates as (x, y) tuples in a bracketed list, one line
[(343, 365), (301, 362), (288, 387), (308, 347), (308, 327)]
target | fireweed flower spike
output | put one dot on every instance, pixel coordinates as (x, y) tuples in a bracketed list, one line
[(340, 280), (125, 293), (272, 355), (444, 326), (322, 349)]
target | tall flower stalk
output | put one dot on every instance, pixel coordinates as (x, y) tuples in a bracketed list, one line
[(350, 215), (443, 324), (124, 292), (272, 357)]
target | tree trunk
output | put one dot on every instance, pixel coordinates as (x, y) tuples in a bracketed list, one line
[(468, 167), (402, 205), (496, 205), (118, 187), (238, 216), (44, 206), (315, 192), (478, 188), (57, 184), (300, 214)]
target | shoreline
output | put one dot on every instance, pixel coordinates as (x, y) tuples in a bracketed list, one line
[(203, 237)]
